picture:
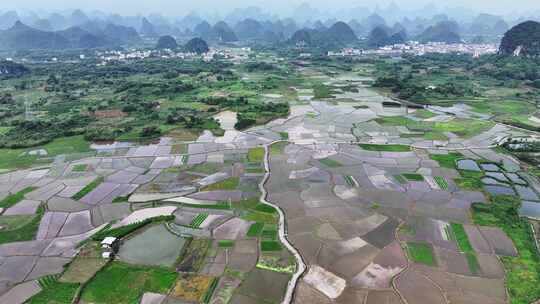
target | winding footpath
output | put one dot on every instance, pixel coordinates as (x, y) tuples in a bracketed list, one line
[(282, 231)]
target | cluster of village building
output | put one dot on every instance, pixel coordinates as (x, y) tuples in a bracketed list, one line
[(416, 48), (233, 54)]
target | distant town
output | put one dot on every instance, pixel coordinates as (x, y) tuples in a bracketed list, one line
[(419, 49)]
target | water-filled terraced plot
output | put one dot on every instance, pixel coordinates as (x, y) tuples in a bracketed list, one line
[(153, 246)]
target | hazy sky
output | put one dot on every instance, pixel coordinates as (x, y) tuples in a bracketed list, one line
[(182, 7)]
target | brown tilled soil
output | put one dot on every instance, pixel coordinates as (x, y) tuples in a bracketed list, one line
[(350, 295), (265, 285), (416, 288), (452, 261), (306, 294), (382, 297), (500, 242), (477, 241)]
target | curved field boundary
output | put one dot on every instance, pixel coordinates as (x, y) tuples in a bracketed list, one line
[(282, 231)]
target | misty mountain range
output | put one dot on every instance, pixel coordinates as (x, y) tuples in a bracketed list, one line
[(78, 29)]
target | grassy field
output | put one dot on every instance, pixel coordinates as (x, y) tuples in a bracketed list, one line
[(230, 183), (225, 244), (54, 292), (122, 283), (206, 168), (472, 261), (435, 136), (67, 145), (120, 199), (270, 232), (420, 252), (523, 271), (15, 159), (4, 130), (255, 170), (278, 148), (385, 148), (87, 263), (257, 216), (461, 237), (413, 177), (25, 232), (462, 127), (255, 229), (18, 158), (248, 209), (424, 114), (470, 180), (265, 208), (88, 188), (504, 108), (321, 91), (12, 222), (210, 291), (13, 199), (256, 155), (80, 168), (330, 162), (464, 245), (400, 179), (218, 206), (447, 160), (270, 245)]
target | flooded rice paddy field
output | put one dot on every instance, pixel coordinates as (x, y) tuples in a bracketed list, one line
[(154, 246), (372, 207)]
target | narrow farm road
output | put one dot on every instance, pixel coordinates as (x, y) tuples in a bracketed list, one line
[(282, 230)]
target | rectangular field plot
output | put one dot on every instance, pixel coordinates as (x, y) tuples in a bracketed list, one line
[(447, 160), (413, 177), (193, 257), (441, 181), (82, 269), (420, 252), (350, 180), (461, 237), (270, 245), (256, 155), (227, 184), (88, 188), (255, 229), (122, 283), (54, 291), (13, 199), (192, 288), (225, 244), (464, 245), (80, 168), (198, 220), (385, 148), (330, 162)]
